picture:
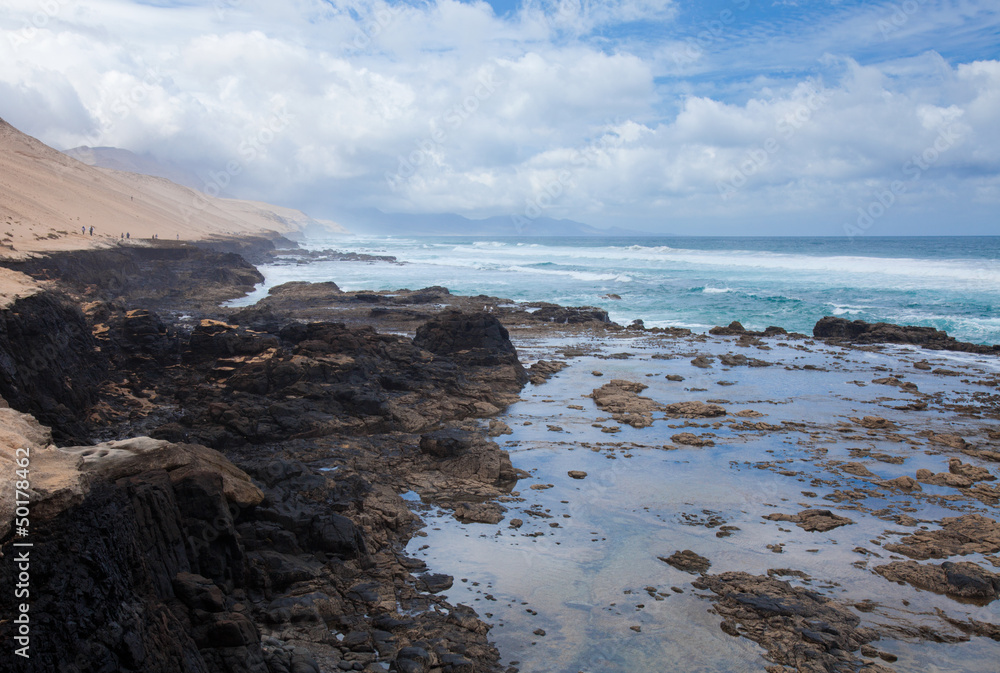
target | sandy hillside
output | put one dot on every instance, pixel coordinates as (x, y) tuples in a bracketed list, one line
[(48, 200)]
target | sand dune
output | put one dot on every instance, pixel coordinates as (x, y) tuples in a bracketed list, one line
[(49, 202)]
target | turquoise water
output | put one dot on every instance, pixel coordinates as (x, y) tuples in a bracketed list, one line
[(952, 283)]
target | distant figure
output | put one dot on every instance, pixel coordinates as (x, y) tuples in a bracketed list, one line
[(123, 236), (178, 237), (83, 230), (91, 230), (128, 235)]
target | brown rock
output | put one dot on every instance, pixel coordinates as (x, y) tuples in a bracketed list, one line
[(958, 580), (875, 423), (903, 483), (799, 628), (857, 469), (813, 520), (498, 428), (485, 512), (958, 536), (687, 561), (694, 410), (943, 479), (690, 439)]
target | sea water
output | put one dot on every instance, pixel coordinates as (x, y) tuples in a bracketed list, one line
[(951, 283)]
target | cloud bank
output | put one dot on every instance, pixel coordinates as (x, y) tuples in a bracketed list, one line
[(727, 117)]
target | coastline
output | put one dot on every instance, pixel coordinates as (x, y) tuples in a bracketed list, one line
[(325, 425)]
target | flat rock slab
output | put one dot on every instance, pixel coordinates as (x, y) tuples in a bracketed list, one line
[(687, 561), (485, 512), (958, 536), (814, 520), (961, 580), (799, 628)]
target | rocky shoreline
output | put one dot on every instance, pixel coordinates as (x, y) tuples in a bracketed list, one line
[(226, 495)]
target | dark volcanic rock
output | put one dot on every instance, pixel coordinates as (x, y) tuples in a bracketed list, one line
[(735, 328), (568, 315), (448, 443), (148, 276), (50, 366), (798, 628), (859, 331), (471, 338), (123, 589)]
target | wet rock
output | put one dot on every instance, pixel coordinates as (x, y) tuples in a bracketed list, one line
[(740, 360), (813, 520), (961, 580), (577, 474), (448, 443), (943, 479), (958, 536), (903, 483), (542, 371), (736, 328), (486, 512), (498, 428), (476, 339), (799, 628), (857, 469), (875, 423), (621, 399), (694, 410), (436, 582), (859, 331), (689, 439), (703, 361), (567, 315), (688, 561), (956, 466), (952, 441)]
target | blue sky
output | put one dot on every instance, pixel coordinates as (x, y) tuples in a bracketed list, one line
[(719, 117)]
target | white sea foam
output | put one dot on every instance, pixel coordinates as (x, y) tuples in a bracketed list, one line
[(839, 309), (716, 290)]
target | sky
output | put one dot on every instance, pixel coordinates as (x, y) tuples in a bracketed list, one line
[(722, 117)]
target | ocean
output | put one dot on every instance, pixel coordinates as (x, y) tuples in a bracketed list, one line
[(951, 283)]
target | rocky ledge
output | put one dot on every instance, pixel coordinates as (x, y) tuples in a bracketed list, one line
[(861, 332), (214, 493)]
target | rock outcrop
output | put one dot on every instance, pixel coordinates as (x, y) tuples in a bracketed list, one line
[(813, 520), (963, 580), (799, 628), (859, 331)]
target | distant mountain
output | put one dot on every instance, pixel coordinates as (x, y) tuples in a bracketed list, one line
[(118, 159), (51, 201), (374, 222)]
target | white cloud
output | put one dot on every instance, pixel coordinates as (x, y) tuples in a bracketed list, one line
[(443, 106)]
